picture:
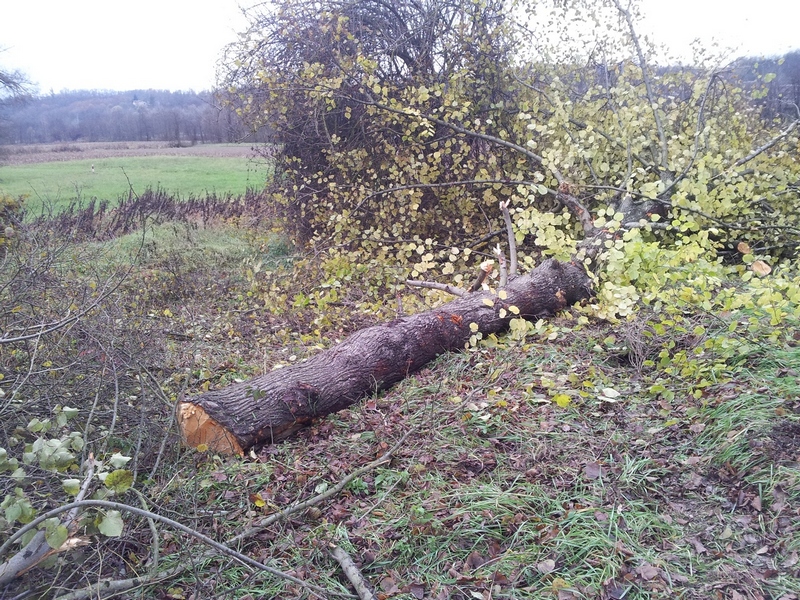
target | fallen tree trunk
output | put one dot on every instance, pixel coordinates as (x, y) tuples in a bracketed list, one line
[(271, 407)]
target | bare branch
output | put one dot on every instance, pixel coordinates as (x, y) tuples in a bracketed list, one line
[(6, 576), (648, 86), (116, 586), (433, 285), (768, 145), (565, 196), (353, 574), (501, 259), (38, 549), (305, 504), (512, 242), (483, 272)]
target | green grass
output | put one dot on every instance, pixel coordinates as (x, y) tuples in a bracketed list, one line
[(503, 494), (57, 184)]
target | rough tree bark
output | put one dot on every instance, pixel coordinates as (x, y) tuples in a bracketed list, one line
[(273, 406)]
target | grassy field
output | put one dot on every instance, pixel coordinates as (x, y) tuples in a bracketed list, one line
[(56, 178)]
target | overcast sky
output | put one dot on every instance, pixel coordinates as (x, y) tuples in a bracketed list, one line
[(175, 44)]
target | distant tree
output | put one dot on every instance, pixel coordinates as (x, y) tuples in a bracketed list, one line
[(14, 90)]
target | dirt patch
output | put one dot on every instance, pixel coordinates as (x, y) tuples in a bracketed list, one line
[(783, 442), (38, 153)]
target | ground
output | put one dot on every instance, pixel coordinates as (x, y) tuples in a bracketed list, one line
[(590, 459)]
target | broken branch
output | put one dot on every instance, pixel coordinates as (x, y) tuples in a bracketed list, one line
[(512, 242), (433, 285), (353, 574)]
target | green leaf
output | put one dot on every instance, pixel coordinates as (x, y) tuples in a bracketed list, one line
[(13, 511), (118, 460), (72, 486), (119, 481), (55, 534), (112, 524)]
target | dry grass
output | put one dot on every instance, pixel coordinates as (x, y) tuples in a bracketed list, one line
[(38, 153)]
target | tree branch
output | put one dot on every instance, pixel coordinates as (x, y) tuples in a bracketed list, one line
[(353, 574), (38, 549), (648, 86), (512, 242), (463, 131), (501, 260), (6, 576), (424, 186), (697, 131), (483, 272), (116, 586), (768, 145), (433, 285)]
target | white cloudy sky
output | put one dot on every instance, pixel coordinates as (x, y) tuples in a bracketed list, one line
[(174, 44)]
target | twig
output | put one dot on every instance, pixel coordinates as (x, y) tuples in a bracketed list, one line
[(300, 506), (483, 272), (648, 86), (353, 574), (768, 145), (512, 242), (501, 259), (316, 590), (583, 215), (38, 549), (433, 285), (155, 550), (116, 586)]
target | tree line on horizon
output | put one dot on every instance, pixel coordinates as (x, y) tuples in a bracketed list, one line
[(200, 117), (180, 118)]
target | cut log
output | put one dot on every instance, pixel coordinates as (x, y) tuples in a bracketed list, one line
[(271, 407)]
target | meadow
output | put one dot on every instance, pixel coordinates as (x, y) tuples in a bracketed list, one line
[(53, 176)]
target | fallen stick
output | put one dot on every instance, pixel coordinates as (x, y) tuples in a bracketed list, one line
[(352, 573)]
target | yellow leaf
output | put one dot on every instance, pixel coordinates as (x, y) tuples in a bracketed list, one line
[(502, 295), (562, 400), (488, 302), (513, 309), (559, 584), (473, 327), (167, 312)]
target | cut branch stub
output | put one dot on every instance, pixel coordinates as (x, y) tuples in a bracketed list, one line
[(273, 406)]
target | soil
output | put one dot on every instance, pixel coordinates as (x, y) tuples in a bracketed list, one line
[(37, 153)]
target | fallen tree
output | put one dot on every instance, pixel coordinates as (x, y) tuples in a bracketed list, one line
[(271, 407)]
